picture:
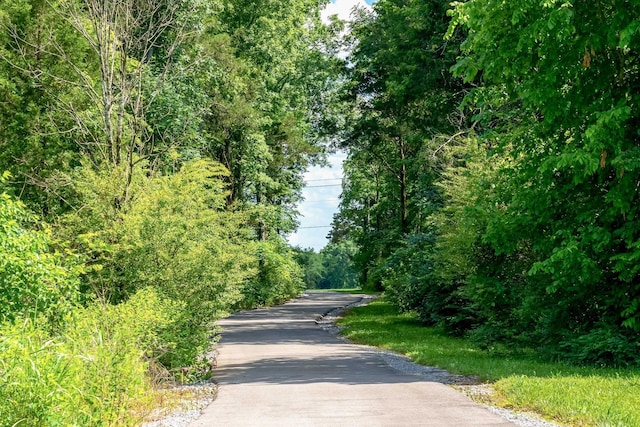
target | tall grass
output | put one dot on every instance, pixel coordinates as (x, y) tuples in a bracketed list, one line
[(576, 396), (94, 372)]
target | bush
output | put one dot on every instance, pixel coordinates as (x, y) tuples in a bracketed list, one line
[(279, 276), (405, 271), (605, 345), (34, 280), (179, 238), (94, 373), (175, 235)]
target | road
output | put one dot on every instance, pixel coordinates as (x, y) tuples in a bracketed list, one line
[(277, 367)]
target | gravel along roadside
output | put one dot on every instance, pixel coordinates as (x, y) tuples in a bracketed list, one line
[(199, 396), (470, 386), (186, 403)]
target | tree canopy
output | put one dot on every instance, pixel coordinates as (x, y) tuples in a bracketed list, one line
[(492, 161)]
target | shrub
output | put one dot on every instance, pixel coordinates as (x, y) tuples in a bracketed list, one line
[(179, 238), (94, 373), (405, 271), (34, 280), (279, 276), (175, 235)]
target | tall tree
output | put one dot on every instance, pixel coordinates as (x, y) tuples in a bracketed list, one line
[(404, 100), (574, 70)]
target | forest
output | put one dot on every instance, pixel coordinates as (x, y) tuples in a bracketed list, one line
[(152, 155), (493, 173)]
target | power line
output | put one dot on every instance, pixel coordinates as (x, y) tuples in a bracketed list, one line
[(316, 226), (323, 179), (324, 185), (319, 201)]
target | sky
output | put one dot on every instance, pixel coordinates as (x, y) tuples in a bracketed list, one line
[(323, 185)]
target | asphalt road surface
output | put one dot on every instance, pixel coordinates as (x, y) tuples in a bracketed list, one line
[(277, 367)]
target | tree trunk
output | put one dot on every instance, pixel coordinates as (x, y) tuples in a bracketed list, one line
[(404, 223)]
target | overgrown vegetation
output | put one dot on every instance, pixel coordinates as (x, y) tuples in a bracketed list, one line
[(492, 177), (154, 153), (576, 396)]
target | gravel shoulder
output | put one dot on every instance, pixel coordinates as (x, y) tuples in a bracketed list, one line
[(201, 395), (469, 385)]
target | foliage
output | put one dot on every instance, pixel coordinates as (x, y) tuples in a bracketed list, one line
[(337, 260), (404, 107), (35, 280), (522, 179), (278, 277), (570, 226), (406, 270), (94, 372), (311, 263), (331, 268), (176, 237), (165, 143)]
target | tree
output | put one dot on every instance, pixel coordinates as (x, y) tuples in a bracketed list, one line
[(339, 271), (311, 263), (36, 136), (405, 102), (572, 68), (129, 39)]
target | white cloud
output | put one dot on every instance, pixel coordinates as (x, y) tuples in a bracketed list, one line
[(342, 8)]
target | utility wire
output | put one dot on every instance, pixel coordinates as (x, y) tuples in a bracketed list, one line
[(324, 185), (316, 226), (323, 179)]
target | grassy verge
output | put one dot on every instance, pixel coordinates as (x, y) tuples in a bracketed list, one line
[(567, 394)]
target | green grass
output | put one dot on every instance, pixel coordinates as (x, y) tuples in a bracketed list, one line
[(567, 394)]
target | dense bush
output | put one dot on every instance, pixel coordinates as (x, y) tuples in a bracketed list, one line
[(179, 237), (174, 235), (279, 277), (94, 372), (35, 280), (406, 271)]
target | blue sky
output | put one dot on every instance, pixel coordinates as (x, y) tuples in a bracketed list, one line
[(321, 198), (322, 193)]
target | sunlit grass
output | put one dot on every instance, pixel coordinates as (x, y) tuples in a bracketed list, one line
[(568, 394)]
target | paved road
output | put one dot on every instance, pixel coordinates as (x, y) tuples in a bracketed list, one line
[(276, 367)]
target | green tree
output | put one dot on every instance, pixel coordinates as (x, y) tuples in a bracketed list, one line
[(311, 263), (572, 68), (36, 133), (404, 101), (339, 271)]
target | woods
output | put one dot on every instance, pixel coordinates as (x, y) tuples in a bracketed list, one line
[(152, 157), (154, 154), (492, 159)]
